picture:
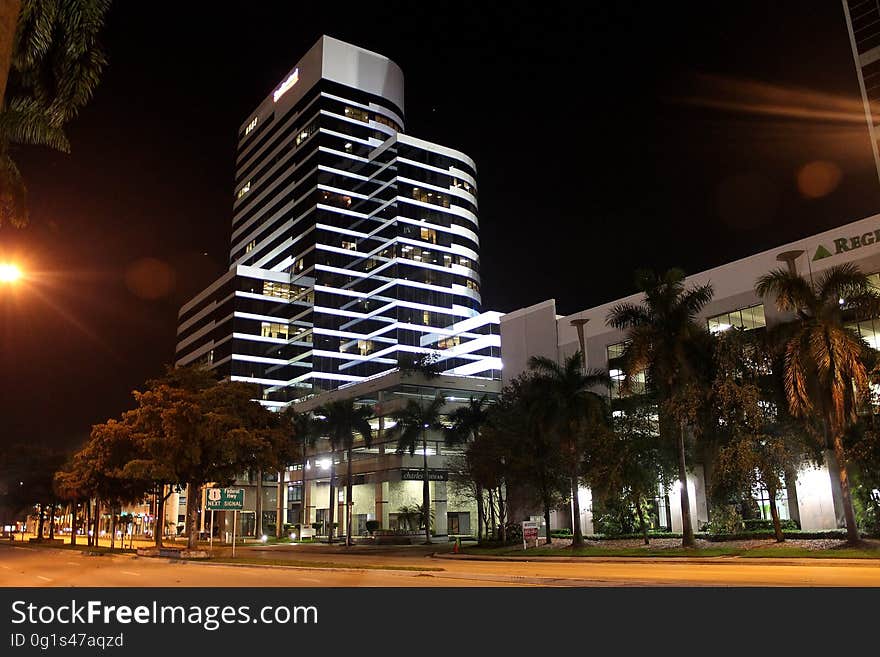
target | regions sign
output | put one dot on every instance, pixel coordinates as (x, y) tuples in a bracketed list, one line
[(225, 499), (419, 475), (850, 243)]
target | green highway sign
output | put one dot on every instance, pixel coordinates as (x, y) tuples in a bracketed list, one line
[(225, 499)]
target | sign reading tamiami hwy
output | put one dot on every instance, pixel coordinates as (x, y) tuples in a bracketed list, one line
[(225, 499)]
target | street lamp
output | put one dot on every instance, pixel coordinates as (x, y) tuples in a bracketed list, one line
[(9, 272)]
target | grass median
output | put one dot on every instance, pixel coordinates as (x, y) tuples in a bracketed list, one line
[(720, 551)]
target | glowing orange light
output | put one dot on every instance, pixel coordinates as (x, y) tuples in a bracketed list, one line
[(9, 273)]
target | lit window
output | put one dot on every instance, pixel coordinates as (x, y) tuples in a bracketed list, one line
[(251, 246), (473, 285), (745, 318), (338, 200), (273, 289), (365, 347), (435, 198), (357, 114), (384, 120), (447, 260), (351, 246), (429, 235), (426, 317), (250, 126), (616, 350), (448, 343), (244, 190), (274, 330)]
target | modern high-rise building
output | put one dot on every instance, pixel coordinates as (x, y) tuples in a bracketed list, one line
[(863, 23), (354, 246)]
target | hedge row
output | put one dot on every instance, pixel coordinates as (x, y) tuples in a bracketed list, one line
[(742, 536)]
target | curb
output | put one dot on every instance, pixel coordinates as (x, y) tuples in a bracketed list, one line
[(725, 560)]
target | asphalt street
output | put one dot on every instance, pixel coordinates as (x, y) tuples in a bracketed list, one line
[(28, 566)]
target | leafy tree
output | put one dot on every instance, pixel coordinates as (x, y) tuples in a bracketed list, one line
[(467, 423), (628, 463), (572, 412), (28, 470), (412, 424), (343, 422), (301, 434), (48, 72), (759, 445), (671, 347), (193, 431), (516, 431), (824, 367)]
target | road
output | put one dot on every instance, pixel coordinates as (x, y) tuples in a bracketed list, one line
[(25, 566)]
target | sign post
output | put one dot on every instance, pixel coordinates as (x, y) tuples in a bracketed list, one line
[(529, 533), (225, 499)]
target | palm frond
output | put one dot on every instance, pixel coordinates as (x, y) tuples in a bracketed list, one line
[(23, 121), (792, 292)]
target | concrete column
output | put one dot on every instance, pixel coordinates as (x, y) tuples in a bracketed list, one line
[(385, 511), (306, 512), (380, 504), (438, 495)]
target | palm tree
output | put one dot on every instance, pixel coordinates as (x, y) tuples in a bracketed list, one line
[(342, 421), (411, 429), (668, 344), (568, 406), (47, 74), (303, 433), (823, 369), (467, 421)]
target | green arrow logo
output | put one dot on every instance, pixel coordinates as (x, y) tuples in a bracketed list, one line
[(821, 252)]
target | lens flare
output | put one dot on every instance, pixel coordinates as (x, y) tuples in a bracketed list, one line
[(9, 273)]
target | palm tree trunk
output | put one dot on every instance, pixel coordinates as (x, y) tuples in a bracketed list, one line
[(279, 506), (491, 514), (348, 488), (192, 516), (481, 513), (97, 520), (642, 523), (9, 12), (426, 489), (159, 522), (774, 513), (89, 522), (852, 529), (687, 530), (331, 512), (40, 523), (73, 519), (112, 527), (502, 514), (258, 507), (52, 521), (545, 499), (577, 534)]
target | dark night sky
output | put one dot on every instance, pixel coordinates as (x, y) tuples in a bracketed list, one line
[(593, 159)]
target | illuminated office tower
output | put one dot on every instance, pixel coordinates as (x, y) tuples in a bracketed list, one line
[(354, 246), (863, 23)]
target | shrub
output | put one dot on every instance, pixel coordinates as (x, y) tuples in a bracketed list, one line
[(373, 525), (758, 524), (565, 532), (725, 520)]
